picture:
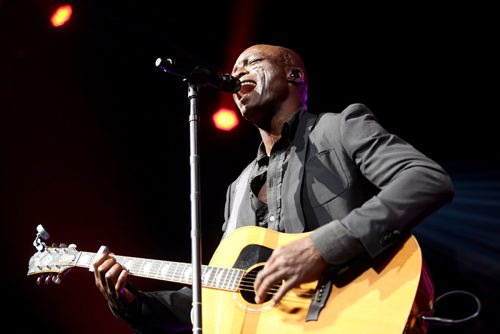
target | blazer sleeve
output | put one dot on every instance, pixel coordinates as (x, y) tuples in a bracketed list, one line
[(412, 186), (164, 311)]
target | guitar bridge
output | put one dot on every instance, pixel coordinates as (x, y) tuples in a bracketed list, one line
[(319, 299)]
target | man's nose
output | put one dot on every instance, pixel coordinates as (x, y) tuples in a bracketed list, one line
[(239, 72)]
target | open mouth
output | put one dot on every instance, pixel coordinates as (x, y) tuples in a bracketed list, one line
[(246, 87)]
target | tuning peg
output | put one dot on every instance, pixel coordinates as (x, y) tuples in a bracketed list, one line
[(42, 232), (48, 279), (39, 279), (54, 245), (56, 279), (62, 245), (72, 246)]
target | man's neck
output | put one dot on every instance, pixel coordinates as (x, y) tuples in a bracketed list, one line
[(271, 136), (269, 140)]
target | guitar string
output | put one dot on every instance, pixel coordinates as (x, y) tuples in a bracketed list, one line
[(287, 297), (246, 283), (274, 289)]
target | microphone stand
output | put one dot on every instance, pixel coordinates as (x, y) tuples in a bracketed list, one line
[(194, 160), (197, 78)]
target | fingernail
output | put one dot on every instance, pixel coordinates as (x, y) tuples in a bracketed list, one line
[(103, 249)]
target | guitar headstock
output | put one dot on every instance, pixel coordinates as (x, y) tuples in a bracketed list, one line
[(52, 262)]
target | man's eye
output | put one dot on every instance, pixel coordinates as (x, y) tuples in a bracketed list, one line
[(254, 61)]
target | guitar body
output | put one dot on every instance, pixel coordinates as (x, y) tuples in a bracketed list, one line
[(378, 300)]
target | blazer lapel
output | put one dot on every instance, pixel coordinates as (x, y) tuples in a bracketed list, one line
[(293, 215)]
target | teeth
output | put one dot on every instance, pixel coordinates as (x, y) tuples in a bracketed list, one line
[(246, 87)]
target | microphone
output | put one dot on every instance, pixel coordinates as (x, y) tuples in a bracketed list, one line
[(200, 75)]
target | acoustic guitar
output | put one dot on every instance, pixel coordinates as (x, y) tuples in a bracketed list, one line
[(377, 298)]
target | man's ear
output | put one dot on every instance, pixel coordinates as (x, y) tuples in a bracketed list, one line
[(296, 77)]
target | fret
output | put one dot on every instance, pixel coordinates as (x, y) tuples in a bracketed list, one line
[(203, 269), (181, 271), (159, 269), (146, 269), (174, 278), (187, 274), (154, 272), (228, 280), (138, 263), (85, 259), (224, 279), (236, 280), (231, 279), (126, 262), (164, 270), (215, 277), (218, 277), (205, 278)]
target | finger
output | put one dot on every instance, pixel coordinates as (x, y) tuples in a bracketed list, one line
[(257, 284), (114, 285), (111, 276), (100, 255), (126, 297), (266, 282), (285, 287), (103, 273), (121, 282), (101, 266), (268, 267), (98, 260)]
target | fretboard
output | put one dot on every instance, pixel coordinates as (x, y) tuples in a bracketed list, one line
[(211, 277)]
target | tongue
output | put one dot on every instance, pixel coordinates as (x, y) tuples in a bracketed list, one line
[(245, 89)]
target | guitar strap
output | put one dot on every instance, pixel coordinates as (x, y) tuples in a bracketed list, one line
[(239, 192)]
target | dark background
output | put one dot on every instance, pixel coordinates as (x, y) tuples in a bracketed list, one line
[(95, 139)]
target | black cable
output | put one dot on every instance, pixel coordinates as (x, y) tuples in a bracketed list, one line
[(447, 321)]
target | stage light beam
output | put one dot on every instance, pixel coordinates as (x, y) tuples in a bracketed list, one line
[(61, 15), (225, 119)]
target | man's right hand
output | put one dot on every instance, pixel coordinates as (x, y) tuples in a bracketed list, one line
[(110, 279)]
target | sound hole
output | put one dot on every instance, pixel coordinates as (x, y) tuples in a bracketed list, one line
[(246, 287)]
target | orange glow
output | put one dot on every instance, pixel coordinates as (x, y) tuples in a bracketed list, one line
[(61, 15), (225, 119)]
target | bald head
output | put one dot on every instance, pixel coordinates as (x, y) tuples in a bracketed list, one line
[(284, 66)]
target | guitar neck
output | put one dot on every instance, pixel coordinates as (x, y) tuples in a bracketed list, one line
[(178, 272)]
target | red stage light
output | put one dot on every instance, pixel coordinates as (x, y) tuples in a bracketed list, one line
[(61, 15), (225, 119)]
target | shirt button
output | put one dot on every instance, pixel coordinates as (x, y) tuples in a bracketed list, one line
[(271, 219)]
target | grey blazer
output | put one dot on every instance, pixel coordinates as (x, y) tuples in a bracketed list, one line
[(353, 183), (356, 186)]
